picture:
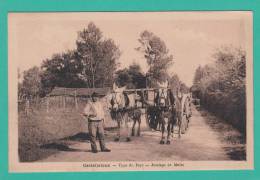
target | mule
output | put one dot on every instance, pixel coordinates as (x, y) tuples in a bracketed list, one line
[(123, 109), (172, 111), (134, 111), (164, 102), (187, 113), (118, 102), (177, 115)]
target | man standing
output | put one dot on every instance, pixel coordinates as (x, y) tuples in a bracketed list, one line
[(95, 114)]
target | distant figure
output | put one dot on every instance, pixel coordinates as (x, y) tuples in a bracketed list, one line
[(95, 114)]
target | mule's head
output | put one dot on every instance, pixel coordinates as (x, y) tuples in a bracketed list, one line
[(118, 101), (161, 98), (179, 94)]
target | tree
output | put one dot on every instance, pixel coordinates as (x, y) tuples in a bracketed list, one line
[(122, 77), (198, 75), (230, 65), (31, 84), (131, 77), (222, 85), (61, 70), (91, 64), (175, 83), (137, 77), (156, 55), (98, 57), (184, 88)]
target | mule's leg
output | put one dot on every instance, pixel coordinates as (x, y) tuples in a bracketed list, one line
[(159, 125), (157, 121), (139, 126), (154, 122), (188, 122), (133, 127), (169, 127), (119, 120), (163, 129), (127, 125), (172, 128), (117, 138), (179, 124), (173, 123), (184, 124)]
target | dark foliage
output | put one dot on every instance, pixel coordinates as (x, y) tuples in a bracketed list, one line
[(221, 86)]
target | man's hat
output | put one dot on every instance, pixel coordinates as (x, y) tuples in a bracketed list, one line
[(94, 94)]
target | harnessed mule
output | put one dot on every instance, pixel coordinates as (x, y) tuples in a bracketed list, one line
[(118, 112), (187, 113), (177, 115), (181, 112), (163, 104), (134, 111), (124, 111), (172, 110)]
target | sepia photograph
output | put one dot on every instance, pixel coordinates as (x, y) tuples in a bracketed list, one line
[(130, 91)]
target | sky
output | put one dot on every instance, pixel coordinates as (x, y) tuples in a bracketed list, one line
[(191, 37)]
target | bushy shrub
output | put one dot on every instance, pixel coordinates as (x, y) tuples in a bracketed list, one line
[(221, 86)]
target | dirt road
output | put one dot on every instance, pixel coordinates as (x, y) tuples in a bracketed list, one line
[(201, 142)]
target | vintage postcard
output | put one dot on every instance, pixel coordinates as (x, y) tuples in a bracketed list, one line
[(130, 91)]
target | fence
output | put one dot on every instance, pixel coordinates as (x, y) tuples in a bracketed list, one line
[(52, 103)]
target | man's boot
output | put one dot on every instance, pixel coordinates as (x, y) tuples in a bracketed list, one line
[(94, 148), (103, 147), (105, 150)]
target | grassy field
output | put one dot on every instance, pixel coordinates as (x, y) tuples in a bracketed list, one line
[(40, 128)]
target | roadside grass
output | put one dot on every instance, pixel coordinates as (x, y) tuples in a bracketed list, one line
[(234, 142), (39, 130)]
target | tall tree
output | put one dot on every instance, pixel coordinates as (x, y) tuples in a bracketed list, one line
[(175, 83), (198, 75), (156, 54), (98, 56), (91, 64)]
